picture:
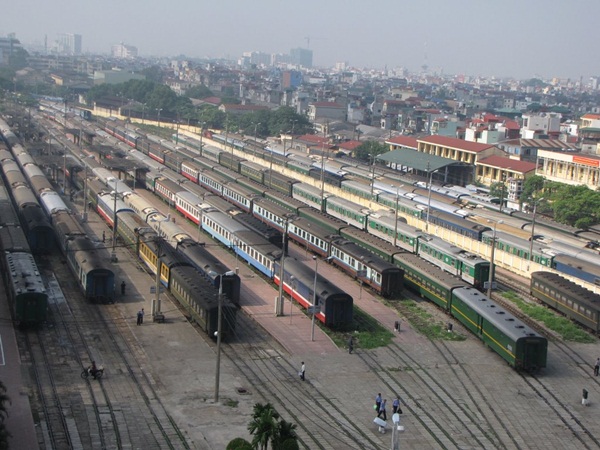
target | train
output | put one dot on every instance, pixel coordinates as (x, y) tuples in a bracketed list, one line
[(95, 279), (574, 301), (23, 283), (177, 270), (451, 217), (515, 342), (130, 205)]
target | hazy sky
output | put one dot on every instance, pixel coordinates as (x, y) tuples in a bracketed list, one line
[(519, 38)]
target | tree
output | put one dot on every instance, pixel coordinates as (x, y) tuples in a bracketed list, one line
[(285, 437), (263, 425), (532, 188), (577, 206), (199, 91), (369, 150), (239, 444), (4, 434)]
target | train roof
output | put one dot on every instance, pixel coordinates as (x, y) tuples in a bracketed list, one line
[(495, 314), (369, 239), (201, 258), (563, 285), (417, 264), (12, 239), (363, 255), (25, 276), (305, 275), (201, 291), (450, 249), (578, 263)]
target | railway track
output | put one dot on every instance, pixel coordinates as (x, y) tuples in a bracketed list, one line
[(121, 410)]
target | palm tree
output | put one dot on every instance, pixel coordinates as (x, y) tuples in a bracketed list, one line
[(4, 434), (285, 436), (263, 425)]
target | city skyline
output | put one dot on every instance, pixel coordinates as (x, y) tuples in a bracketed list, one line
[(517, 39)]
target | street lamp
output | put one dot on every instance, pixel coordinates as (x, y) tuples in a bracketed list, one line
[(143, 112), (315, 300), (535, 204), (293, 285), (159, 110), (201, 134), (279, 302), (396, 429), (218, 333), (492, 267), (85, 186), (396, 216), (113, 256), (429, 197), (361, 273)]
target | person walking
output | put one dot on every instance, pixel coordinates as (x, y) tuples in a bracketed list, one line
[(140, 316), (123, 286), (350, 344), (103, 236), (377, 403), (302, 371), (382, 409), (396, 406), (597, 367)]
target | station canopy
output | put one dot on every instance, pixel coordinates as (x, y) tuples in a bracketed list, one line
[(422, 162)]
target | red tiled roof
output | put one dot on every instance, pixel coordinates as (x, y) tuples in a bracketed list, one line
[(591, 116), (233, 106), (404, 141), (313, 138), (451, 142), (514, 165), (212, 100), (350, 145)]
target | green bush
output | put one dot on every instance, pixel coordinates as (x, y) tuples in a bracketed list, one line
[(239, 444)]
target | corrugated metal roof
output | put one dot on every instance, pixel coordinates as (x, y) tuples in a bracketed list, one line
[(417, 160)]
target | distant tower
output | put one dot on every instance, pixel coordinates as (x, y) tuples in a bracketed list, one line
[(425, 65)]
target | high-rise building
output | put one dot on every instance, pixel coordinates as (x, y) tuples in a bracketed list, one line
[(68, 44), (301, 57), (124, 51)]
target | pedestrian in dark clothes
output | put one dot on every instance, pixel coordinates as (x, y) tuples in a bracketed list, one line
[(396, 406), (103, 236), (597, 367), (123, 286), (302, 371), (140, 316), (350, 345), (382, 409), (377, 403)]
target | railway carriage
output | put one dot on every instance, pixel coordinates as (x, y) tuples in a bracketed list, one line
[(468, 266), (212, 181), (253, 171), (310, 195), (211, 268), (348, 212), (518, 247), (371, 242), (279, 182), (271, 213), (286, 201), (95, 279), (336, 306), (384, 277), (260, 189), (240, 196), (427, 279), (384, 227), (106, 208), (360, 189), (298, 166), (24, 288), (309, 235), (201, 303), (326, 221), (211, 152), (167, 190), (577, 267), (514, 341), (405, 206), (230, 161), (574, 301)]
